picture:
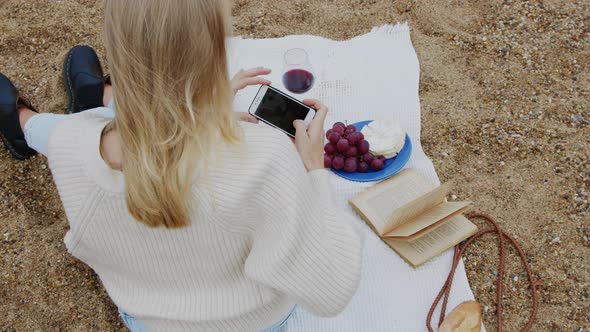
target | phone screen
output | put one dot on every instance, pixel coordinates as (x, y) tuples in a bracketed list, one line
[(281, 111)]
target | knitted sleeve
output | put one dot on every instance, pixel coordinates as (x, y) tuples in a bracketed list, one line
[(303, 245), (66, 161)]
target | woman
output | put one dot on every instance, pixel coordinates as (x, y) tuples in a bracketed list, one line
[(192, 220)]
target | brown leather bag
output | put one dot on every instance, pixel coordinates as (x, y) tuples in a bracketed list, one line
[(460, 249)]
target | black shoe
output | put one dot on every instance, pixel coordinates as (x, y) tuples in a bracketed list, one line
[(10, 131), (83, 79)]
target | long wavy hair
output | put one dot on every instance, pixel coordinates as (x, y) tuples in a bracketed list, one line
[(173, 99)]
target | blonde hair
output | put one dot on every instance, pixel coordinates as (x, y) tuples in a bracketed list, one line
[(172, 99)]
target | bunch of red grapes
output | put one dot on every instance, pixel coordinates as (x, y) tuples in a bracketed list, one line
[(348, 150)]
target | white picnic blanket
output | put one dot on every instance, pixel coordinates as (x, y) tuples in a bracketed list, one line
[(374, 76)]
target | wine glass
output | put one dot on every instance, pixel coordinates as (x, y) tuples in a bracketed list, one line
[(297, 72)]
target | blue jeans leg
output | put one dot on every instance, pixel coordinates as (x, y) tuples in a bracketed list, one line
[(279, 325), (132, 323), (40, 126)]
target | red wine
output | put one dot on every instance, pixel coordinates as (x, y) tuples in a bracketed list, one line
[(298, 80)]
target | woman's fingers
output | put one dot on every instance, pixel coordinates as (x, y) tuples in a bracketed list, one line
[(300, 131), (244, 78), (246, 117), (244, 82), (321, 109), (317, 124), (310, 148), (254, 72)]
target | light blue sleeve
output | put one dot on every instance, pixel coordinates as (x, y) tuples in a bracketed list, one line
[(40, 126)]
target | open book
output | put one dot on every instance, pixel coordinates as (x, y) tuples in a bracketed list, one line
[(412, 216)]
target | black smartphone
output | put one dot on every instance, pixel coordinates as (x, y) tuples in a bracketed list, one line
[(279, 110)]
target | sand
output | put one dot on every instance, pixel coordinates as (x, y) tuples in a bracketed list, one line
[(505, 111)]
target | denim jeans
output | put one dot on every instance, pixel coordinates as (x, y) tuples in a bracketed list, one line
[(280, 324), (131, 322), (134, 325), (40, 126)]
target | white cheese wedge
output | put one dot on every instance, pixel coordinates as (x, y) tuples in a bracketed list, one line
[(385, 138)]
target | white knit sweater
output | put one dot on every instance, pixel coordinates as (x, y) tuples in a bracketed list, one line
[(265, 235)]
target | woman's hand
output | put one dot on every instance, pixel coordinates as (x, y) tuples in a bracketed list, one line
[(248, 77), (310, 141), (246, 117)]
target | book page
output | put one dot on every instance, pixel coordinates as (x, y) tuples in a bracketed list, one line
[(418, 206), (435, 241), (376, 204), (438, 213)]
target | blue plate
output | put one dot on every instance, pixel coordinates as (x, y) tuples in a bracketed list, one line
[(392, 165)]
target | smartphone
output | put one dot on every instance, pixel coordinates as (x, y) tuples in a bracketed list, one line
[(279, 110)]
